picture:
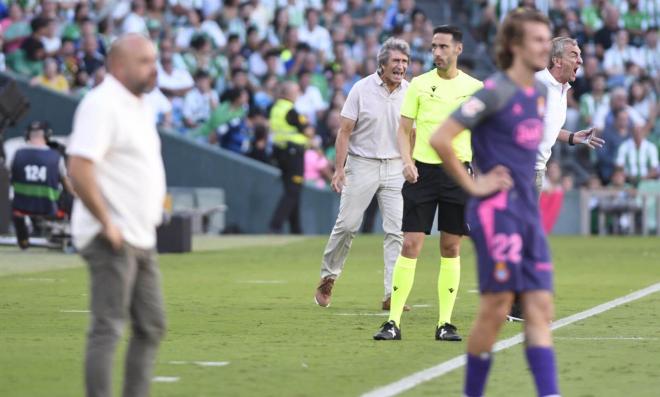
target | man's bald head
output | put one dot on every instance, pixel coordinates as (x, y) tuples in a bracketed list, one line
[(132, 61)]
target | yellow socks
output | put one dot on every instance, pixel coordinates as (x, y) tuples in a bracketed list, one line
[(448, 280), (402, 282)]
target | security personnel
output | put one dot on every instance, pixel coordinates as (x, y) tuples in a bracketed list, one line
[(291, 134), (36, 174)]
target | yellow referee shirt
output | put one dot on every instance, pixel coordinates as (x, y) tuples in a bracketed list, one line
[(429, 101)]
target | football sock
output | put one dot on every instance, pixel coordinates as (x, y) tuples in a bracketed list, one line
[(402, 282), (541, 361), (448, 280), (476, 374)]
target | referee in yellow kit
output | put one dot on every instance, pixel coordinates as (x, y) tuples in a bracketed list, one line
[(430, 99)]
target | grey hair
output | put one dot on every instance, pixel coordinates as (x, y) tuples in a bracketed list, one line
[(391, 44), (557, 51)]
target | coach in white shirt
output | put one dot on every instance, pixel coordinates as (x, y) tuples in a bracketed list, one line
[(118, 174), (565, 60), (368, 163)]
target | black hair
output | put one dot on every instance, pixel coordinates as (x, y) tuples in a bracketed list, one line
[(201, 74), (39, 23), (232, 94), (455, 32), (198, 41)]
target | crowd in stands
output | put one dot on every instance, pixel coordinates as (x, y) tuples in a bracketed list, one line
[(221, 61)]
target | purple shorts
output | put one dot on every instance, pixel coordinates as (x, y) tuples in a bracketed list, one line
[(512, 252)]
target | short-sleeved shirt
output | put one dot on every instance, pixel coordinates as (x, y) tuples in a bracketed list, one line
[(429, 101), (376, 114), (116, 130), (555, 116), (507, 126)]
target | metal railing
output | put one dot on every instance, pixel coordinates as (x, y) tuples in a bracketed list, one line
[(616, 203)]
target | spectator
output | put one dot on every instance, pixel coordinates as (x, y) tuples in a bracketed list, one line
[(619, 54), (314, 35), (399, 14), (227, 125), (277, 30), (310, 103), (640, 99), (50, 39), (592, 16), (135, 21), (594, 102), (28, 60), (202, 57), (615, 134), (635, 21), (81, 15), (360, 14), (51, 77), (638, 157), (252, 43), (257, 60), (200, 101), (15, 28), (260, 18), (603, 37), (618, 101), (197, 26), (90, 58), (317, 167), (174, 82), (649, 53)]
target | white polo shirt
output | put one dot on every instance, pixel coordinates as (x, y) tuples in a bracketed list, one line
[(376, 113), (555, 115), (117, 131)]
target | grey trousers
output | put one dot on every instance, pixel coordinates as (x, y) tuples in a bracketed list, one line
[(538, 180), (124, 283), (364, 179)]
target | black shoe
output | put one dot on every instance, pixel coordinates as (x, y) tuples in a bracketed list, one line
[(516, 313), (388, 331), (447, 332)]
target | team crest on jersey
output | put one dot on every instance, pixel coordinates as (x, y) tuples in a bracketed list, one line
[(472, 106), (501, 273), (540, 106)]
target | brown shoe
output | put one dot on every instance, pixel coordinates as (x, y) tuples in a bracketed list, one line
[(386, 305), (324, 291)]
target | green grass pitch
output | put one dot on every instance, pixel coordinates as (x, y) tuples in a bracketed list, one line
[(249, 301)]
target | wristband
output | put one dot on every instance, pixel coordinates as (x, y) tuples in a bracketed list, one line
[(570, 139)]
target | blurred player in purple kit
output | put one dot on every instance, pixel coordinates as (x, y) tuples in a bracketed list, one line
[(506, 120)]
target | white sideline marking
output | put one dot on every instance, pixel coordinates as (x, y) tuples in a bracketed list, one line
[(361, 314), (421, 305), (603, 338), (166, 379), (428, 374), (201, 363), (473, 291), (264, 282), (74, 311), (48, 280)]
